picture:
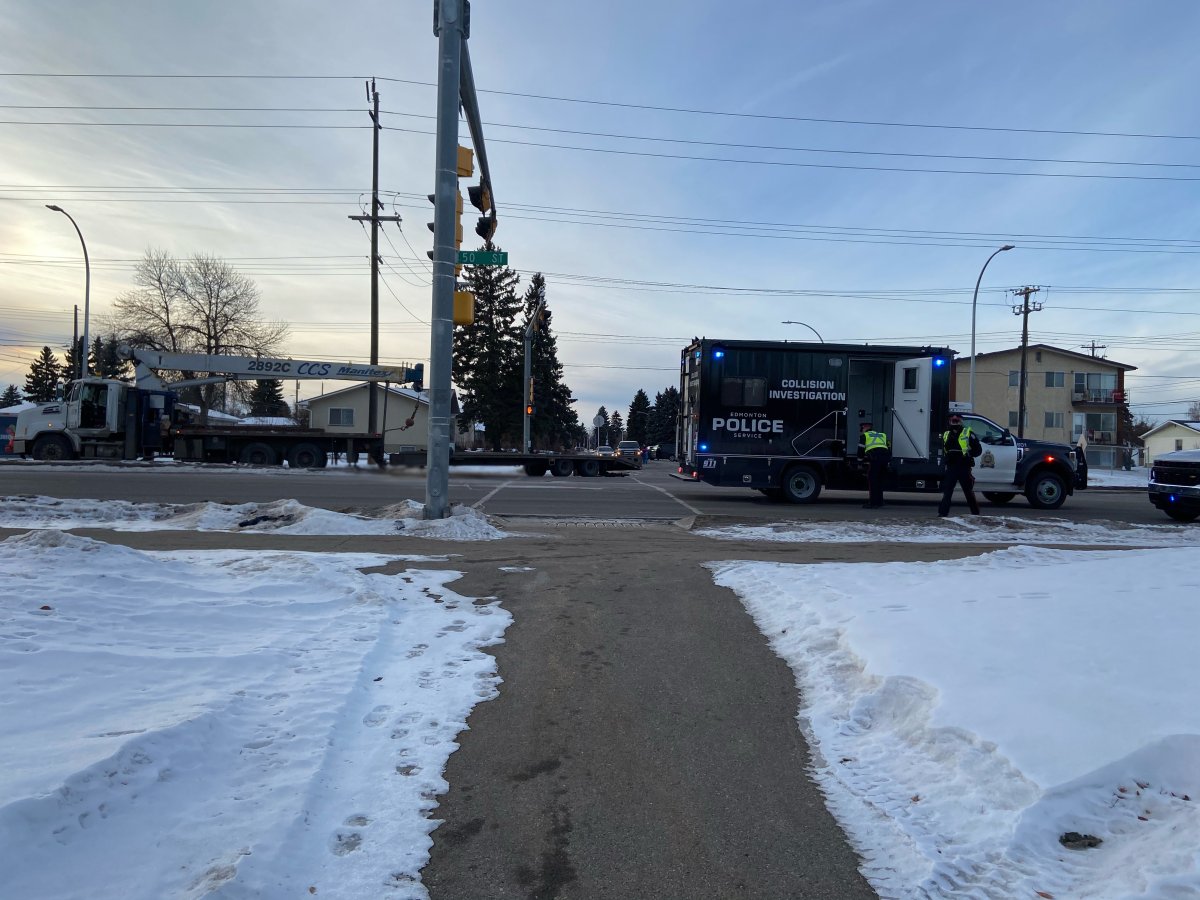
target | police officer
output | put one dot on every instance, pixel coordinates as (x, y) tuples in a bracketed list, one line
[(875, 448), (960, 447)]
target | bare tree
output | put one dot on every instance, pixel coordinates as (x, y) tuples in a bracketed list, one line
[(1194, 411), (198, 305)]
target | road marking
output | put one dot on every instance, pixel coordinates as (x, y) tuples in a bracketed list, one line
[(493, 493), (686, 506)]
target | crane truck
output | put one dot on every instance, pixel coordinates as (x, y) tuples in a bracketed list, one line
[(782, 417), (103, 418)]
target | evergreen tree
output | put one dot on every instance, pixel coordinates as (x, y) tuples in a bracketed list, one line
[(42, 381), (554, 424), (266, 399), (639, 419), (487, 356), (600, 435), (616, 429), (71, 368), (106, 362), (664, 416), (10, 397)]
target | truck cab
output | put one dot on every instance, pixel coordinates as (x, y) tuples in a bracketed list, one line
[(1047, 473), (95, 419)]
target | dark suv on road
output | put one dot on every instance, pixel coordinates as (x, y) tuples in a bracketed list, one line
[(1175, 484)]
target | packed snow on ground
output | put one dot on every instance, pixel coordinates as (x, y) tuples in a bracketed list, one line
[(279, 517), (966, 714), (985, 529), (254, 724)]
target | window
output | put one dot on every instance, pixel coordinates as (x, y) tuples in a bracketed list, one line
[(1056, 379), (910, 379), (341, 416), (1178, 443), (1012, 418), (1097, 387), (1014, 378), (743, 391), (1054, 419)]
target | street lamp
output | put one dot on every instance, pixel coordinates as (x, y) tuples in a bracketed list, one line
[(973, 300), (806, 325), (87, 289)]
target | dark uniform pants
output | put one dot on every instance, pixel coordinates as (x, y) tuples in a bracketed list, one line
[(877, 461), (958, 472)]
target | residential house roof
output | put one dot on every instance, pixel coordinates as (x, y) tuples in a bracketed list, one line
[(1185, 423)]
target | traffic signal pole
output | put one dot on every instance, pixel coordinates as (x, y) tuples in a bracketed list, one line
[(449, 27)]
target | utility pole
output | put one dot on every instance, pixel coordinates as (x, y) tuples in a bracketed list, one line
[(375, 219), (1024, 310), (1093, 346), (75, 343)]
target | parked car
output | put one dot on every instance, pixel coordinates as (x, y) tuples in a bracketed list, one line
[(604, 450), (1175, 484), (629, 448), (662, 451)]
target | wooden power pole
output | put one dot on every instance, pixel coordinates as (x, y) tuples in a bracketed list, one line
[(1024, 310)]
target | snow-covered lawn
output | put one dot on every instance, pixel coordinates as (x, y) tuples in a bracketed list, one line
[(966, 714), (176, 721), (276, 724)]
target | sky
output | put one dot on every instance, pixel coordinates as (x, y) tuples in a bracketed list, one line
[(956, 734), (674, 169)]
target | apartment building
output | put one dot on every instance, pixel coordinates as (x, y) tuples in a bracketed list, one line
[(1068, 395)]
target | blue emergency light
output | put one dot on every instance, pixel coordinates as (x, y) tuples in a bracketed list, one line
[(718, 353), (703, 447), (938, 362)]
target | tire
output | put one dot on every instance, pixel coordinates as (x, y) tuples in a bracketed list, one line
[(588, 468), (1182, 515), (306, 456), (1046, 490), (536, 469), (258, 454), (801, 484), (52, 448), (998, 498), (561, 468)]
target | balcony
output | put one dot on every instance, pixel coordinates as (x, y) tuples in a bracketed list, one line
[(1100, 397)]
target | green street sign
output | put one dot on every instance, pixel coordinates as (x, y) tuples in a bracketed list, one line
[(483, 257)]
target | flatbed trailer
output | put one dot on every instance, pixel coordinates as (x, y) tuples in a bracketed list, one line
[(582, 463), (301, 448)]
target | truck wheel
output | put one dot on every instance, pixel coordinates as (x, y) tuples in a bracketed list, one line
[(536, 469), (801, 485), (1182, 515), (998, 498), (589, 468), (306, 456), (52, 448), (561, 468), (258, 454), (1046, 491)]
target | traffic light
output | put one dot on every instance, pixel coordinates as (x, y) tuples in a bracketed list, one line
[(465, 169), (464, 308), (466, 162), (481, 198)]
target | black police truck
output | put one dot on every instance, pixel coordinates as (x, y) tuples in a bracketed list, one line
[(782, 417)]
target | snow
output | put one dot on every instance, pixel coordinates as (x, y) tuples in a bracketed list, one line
[(276, 724), (279, 517), (966, 713), (275, 721)]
